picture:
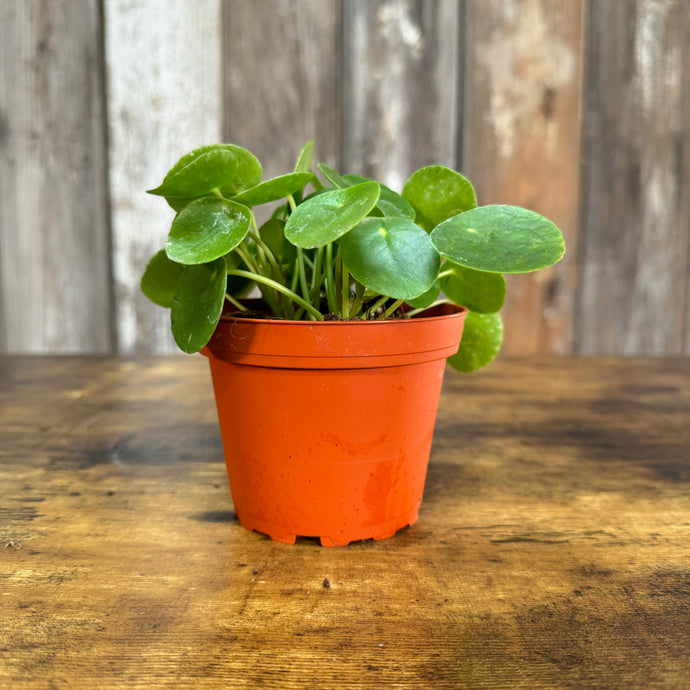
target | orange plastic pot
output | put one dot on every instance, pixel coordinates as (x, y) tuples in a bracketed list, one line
[(327, 426)]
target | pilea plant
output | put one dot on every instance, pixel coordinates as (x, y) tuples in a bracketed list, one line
[(341, 247)]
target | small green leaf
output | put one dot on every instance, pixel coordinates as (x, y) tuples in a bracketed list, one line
[(333, 177), (198, 304), (272, 232), (159, 279), (390, 203), (499, 239), (325, 217), (207, 229), (304, 159), (273, 189), (425, 300), (227, 167), (482, 336), (476, 290), (391, 256), (437, 193)]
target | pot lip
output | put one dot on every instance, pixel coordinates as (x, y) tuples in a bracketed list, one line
[(438, 313)]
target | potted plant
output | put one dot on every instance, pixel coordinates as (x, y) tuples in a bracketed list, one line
[(327, 383)]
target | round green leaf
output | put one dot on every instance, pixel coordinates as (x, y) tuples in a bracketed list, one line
[(207, 229), (227, 167), (437, 193), (499, 239), (275, 188), (159, 279), (482, 336), (476, 290), (198, 304), (390, 203), (391, 256), (325, 217)]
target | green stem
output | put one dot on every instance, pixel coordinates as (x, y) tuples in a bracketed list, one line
[(266, 252), (279, 288), (304, 286), (316, 271), (329, 279), (338, 265), (241, 249), (235, 303), (375, 307), (357, 302), (391, 309), (345, 292)]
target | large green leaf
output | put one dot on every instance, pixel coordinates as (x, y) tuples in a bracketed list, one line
[(481, 341), (325, 217), (159, 279), (273, 189), (198, 304), (390, 203), (437, 193), (206, 229), (391, 256), (227, 167), (476, 290), (499, 239)]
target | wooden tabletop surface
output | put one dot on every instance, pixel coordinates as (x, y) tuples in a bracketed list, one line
[(552, 548)]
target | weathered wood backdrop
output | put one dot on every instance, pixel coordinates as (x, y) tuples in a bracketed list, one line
[(579, 109)]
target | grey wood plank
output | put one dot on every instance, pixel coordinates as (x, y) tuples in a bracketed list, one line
[(400, 107), (54, 267), (522, 145), (282, 79), (164, 98), (636, 210)]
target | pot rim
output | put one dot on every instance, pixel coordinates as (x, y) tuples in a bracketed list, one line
[(440, 311), (338, 344)]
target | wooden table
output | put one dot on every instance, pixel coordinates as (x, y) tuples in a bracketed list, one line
[(552, 548)]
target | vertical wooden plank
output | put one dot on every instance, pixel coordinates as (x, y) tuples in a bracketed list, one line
[(281, 63), (637, 184), (401, 86), (164, 98), (54, 269), (521, 145)]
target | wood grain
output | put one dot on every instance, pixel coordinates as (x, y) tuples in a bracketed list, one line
[(282, 79), (579, 109), (54, 246), (401, 61), (634, 285), (521, 146), (164, 99), (551, 551)]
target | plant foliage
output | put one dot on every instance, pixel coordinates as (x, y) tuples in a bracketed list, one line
[(343, 246)]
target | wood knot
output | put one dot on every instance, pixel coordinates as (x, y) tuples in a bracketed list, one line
[(548, 99)]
